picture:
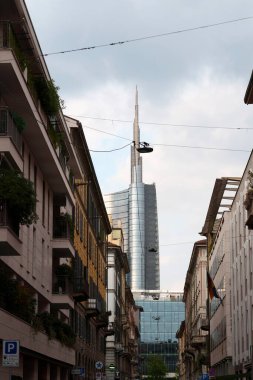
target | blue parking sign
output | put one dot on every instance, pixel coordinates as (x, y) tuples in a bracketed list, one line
[(10, 347), (10, 353)]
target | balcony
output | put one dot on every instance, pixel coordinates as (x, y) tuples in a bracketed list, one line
[(102, 320), (119, 347), (80, 289), (198, 340), (62, 293), (35, 341), (10, 139), (109, 330), (125, 353), (248, 204), (62, 238), (93, 307), (204, 324), (10, 245), (20, 96)]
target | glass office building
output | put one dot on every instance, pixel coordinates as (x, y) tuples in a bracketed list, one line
[(136, 209), (162, 315)]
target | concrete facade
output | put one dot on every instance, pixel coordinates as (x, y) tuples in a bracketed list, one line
[(242, 275), (122, 345), (53, 272), (195, 295)]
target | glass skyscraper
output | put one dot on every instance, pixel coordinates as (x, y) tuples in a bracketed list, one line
[(161, 318), (136, 208)]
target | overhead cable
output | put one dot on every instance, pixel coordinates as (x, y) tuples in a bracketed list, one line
[(167, 124), (149, 37), (108, 151)]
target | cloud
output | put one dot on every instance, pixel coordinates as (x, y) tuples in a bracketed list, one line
[(194, 78)]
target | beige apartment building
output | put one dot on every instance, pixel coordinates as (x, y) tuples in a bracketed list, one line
[(52, 257), (90, 314), (181, 365), (195, 294)]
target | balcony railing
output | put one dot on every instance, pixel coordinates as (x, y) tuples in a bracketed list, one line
[(198, 340), (9, 129), (62, 285), (80, 289), (62, 228), (93, 307), (102, 320), (6, 218)]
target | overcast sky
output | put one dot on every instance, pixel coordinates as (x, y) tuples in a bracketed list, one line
[(190, 78)]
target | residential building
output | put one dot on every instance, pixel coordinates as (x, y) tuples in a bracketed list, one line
[(122, 345), (136, 207), (162, 314), (181, 352), (242, 275), (34, 165), (217, 229), (195, 296), (53, 221), (90, 314)]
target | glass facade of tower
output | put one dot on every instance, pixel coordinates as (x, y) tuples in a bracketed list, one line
[(135, 209), (162, 315)]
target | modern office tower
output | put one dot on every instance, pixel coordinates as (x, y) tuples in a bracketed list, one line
[(161, 318), (136, 208)]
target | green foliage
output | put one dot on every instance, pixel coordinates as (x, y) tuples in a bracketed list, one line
[(19, 53), (18, 121), (15, 298), (156, 369), (55, 136), (55, 328), (48, 95), (20, 196)]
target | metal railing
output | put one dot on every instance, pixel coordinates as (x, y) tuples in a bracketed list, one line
[(9, 129), (6, 219)]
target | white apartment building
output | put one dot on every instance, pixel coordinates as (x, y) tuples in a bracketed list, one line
[(122, 345), (242, 274), (217, 230)]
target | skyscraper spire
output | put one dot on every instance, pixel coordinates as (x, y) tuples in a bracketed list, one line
[(136, 161), (136, 207)]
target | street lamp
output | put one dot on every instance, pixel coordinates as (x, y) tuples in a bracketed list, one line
[(143, 147), (157, 319)]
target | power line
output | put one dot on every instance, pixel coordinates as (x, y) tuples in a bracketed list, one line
[(149, 37), (166, 124), (203, 147), (176, 145), (108, 151), (107, 133)]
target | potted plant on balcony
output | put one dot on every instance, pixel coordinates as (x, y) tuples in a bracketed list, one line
[(19, 196), (48, 95)]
